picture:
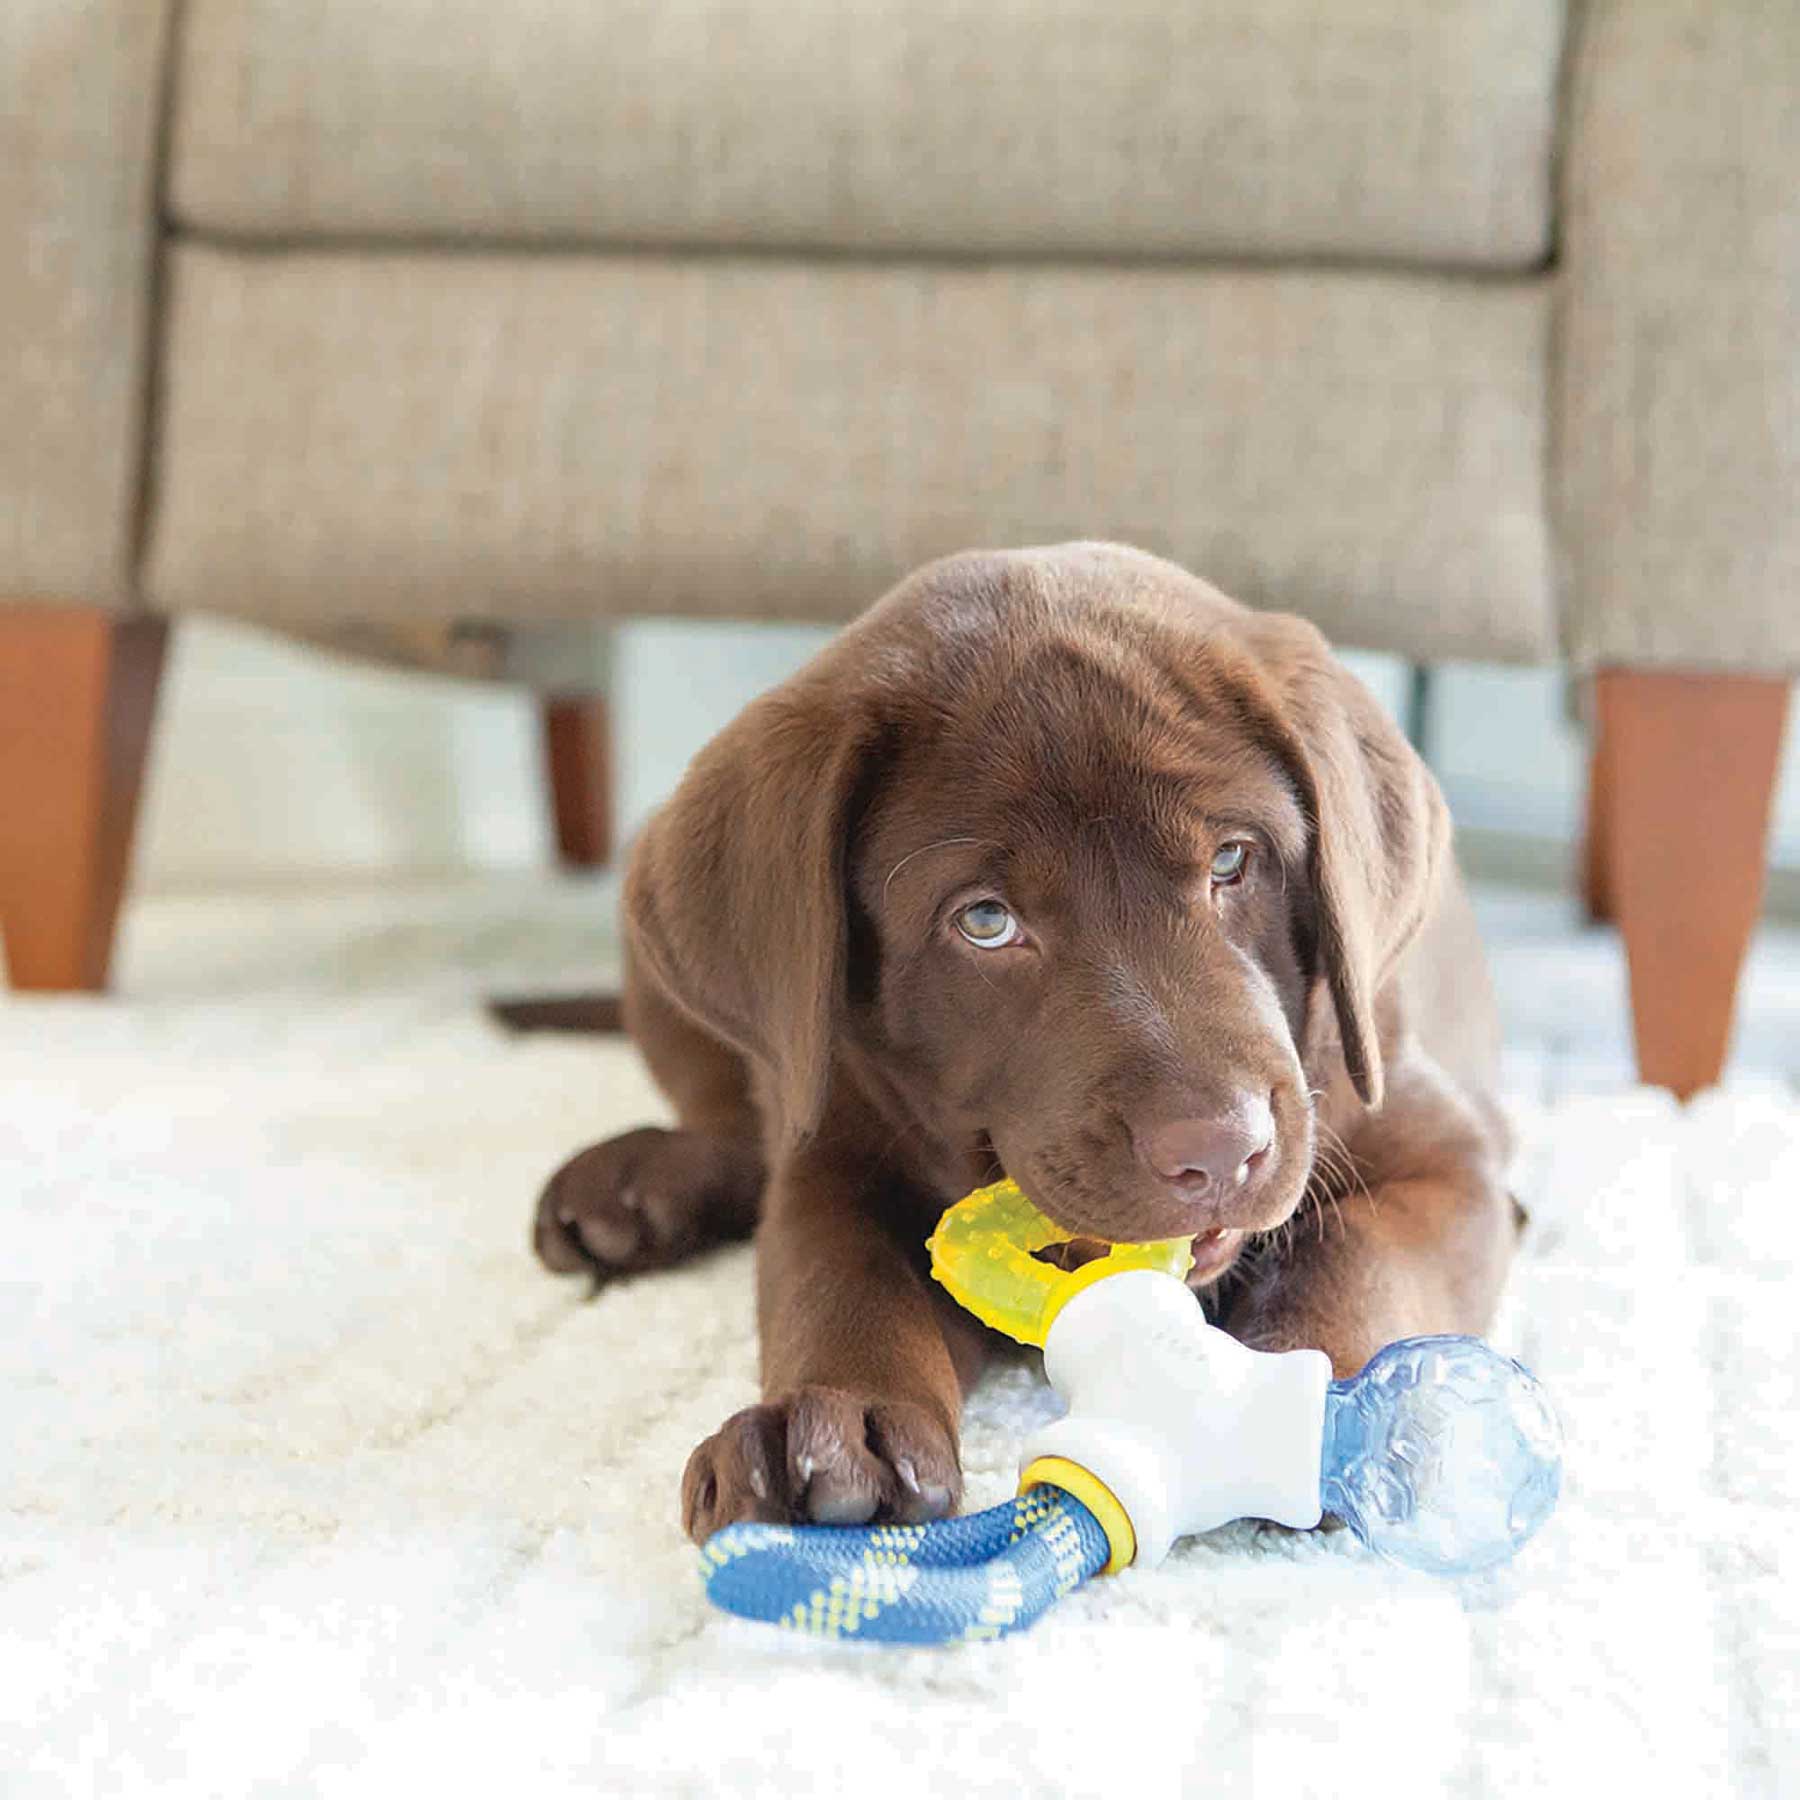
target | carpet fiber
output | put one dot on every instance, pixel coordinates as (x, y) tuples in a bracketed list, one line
[(314, 1483)]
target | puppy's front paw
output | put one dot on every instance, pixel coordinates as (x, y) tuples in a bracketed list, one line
[(645, 1200), (824, 1455)]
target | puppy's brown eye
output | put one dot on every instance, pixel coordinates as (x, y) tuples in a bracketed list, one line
[(988, 925), (1229, 862)]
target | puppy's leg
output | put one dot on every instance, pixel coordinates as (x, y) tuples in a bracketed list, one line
[(653, 1197), (1418, 1242), (863, 1371)]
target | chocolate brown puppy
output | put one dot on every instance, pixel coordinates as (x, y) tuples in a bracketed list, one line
[(1061, 864)]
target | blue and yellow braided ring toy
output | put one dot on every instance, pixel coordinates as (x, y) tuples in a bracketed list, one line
[(955, 1581)]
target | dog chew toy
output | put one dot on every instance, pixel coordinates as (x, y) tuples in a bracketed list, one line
[(1441, 1455)]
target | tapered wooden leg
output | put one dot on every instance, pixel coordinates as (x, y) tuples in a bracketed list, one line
[(77, 697), (1690, 766), (578, 757)]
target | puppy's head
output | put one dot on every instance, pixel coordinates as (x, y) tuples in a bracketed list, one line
[(1095, 867)]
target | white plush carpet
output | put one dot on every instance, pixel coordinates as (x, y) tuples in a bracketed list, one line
[(313, 1483)]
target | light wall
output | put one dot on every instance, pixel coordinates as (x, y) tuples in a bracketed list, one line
[(277, 762)]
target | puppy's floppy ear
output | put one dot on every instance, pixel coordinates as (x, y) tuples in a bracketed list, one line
[(1380, 832), (735, 897)]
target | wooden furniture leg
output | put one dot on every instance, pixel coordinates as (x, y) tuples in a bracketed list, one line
[(1689, 773), (77, 697), (578, 757)]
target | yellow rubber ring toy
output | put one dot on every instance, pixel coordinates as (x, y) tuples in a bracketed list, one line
[(982, 1252)]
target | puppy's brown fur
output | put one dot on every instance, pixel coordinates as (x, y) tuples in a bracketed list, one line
[(1072, 734)]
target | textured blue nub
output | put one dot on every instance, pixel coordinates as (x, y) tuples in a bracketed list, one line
[(958, 1579), (1442, 1454)]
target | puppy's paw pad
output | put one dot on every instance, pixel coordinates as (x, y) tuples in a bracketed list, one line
[(822, 1456), (643, 1201)]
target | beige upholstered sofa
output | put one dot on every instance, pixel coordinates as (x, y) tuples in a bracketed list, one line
[(1466, 328)]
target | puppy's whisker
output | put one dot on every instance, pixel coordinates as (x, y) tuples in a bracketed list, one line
[(1341, 1162)]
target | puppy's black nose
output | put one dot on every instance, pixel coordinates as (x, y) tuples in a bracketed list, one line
[(1209, 1159)]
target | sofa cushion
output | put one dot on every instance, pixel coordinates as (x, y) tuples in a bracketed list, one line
[(78, 90), (1403, 130), (1677, 397), (472, 436)]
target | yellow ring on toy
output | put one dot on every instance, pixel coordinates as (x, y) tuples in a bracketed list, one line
[(982, 1252), (1096, 1496)]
